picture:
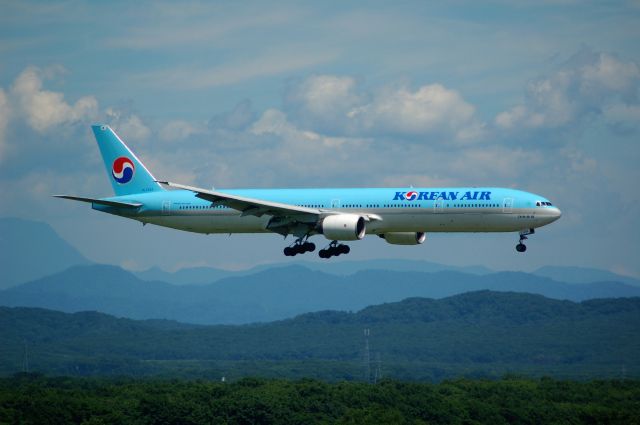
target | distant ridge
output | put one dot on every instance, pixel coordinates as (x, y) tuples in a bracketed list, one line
[(273, 294), (204, 275), (30, 250), (583, 275)]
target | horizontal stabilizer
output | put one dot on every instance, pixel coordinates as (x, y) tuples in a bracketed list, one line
[(118, 204)]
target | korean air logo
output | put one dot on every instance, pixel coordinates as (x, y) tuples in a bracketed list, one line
[(122, 170), (411, 196)]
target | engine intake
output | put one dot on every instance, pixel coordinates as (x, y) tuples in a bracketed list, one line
[(405, 238), (343, 227)]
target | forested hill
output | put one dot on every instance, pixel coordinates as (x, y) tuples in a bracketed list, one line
[(474, 334)]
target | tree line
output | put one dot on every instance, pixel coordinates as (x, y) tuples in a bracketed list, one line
[(36, 399)]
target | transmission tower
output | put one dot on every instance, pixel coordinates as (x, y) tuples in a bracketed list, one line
[(367, 357)]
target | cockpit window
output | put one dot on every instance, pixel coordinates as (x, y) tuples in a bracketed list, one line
[(537, 203)]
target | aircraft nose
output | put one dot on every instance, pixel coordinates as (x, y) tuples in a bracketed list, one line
[(556, 213)]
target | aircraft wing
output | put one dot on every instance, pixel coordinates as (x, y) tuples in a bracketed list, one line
[(285, 218), (248, 206)]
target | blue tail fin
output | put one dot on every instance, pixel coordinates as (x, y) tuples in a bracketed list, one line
[(127, 174)]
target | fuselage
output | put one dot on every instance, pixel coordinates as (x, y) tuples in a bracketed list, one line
[(459, 209)]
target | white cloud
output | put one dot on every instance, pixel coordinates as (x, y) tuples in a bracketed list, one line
[(623, 116), (431, 108), (177, 130), (587, 84), (275, 122), (43, 109), (128, 126), (607, 74), (271, 121), (5, 112), (324, 101), (333, 103)]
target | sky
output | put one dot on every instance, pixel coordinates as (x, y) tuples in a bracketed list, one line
[(542, 96)]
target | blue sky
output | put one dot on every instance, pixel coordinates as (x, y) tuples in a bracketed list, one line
[(537, 95)]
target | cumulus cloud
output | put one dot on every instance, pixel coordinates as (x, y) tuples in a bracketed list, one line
[(5, 111), (128, 125), (589, 84), (275, 122), (323, 102), (336, 104), (622, 117), (44, 109), (432, 109), (177, 130)]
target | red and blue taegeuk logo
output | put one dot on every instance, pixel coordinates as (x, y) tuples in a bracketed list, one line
[(122, 170), (411, 196)]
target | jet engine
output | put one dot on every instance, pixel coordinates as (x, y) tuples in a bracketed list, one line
[(404, 238), (343, 227)]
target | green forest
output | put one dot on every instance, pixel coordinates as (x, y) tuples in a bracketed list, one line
[(34, 399), (475, 335)]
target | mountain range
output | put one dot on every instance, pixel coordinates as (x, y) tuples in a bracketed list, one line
[(31, 250), (273, 294)]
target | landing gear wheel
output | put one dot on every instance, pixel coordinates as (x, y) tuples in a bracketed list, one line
[(523, 237), (334, 249), (300, 246)]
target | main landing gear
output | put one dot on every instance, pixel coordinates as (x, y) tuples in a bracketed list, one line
[(299, 247), (523, 236), (334, 249)]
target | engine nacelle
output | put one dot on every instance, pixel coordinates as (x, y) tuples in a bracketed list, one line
[(405, 238), (343, 227)]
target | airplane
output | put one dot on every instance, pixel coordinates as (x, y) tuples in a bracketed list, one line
[(400, 216)]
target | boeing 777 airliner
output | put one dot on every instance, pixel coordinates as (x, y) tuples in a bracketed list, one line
[(400, 216)]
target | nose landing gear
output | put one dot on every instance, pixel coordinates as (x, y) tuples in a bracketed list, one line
[(523, 236), (300, 246), (334, 249)]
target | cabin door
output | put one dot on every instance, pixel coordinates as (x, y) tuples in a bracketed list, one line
[(166, 207), (507, 205), (438, 205)]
